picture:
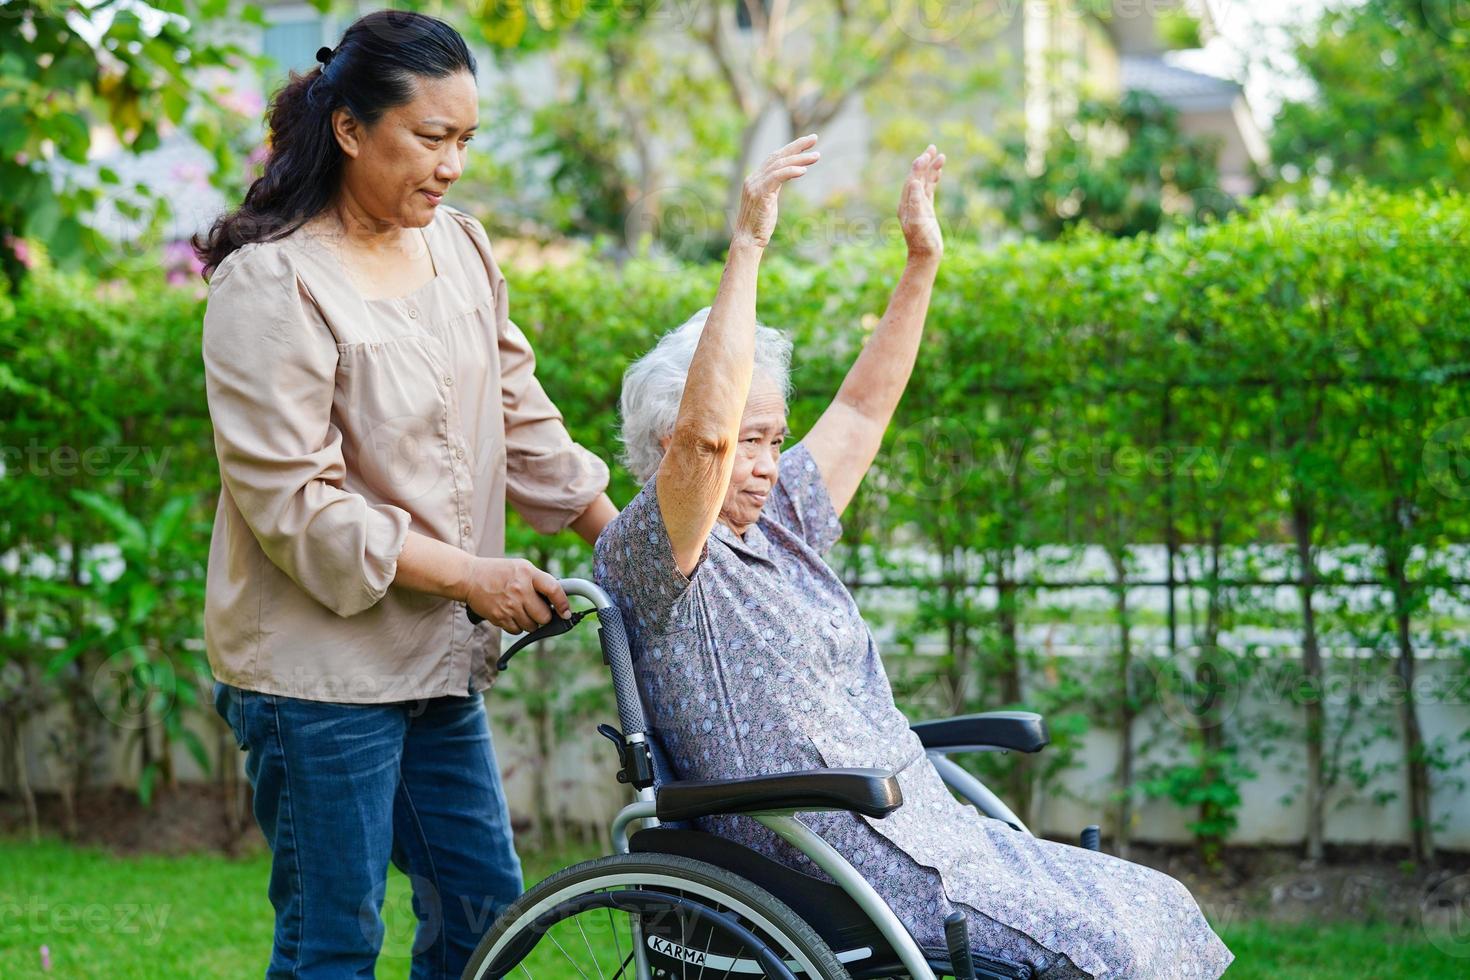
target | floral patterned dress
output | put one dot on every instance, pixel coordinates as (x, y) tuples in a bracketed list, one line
[(760, 662)]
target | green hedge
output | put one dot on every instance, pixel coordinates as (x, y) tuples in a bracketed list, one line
[(1283, 378)]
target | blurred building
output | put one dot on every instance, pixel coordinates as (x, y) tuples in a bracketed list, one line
[(1131, 51)]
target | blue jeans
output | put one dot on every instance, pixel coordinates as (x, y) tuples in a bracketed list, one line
[(342, 789)]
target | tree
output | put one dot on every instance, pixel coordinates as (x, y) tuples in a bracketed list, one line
[(1124, 167), (655, 123), (626, 133), (69, 68), (808, 60), (1393, 97), (632, 140)]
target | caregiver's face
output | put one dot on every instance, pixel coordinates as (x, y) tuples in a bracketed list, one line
[(762, 431), (399, 167)]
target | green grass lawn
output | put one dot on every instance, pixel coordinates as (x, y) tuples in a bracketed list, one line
[(207, 916)]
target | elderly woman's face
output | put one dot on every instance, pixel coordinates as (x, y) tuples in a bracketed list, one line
[(400, 167), (762, 431)]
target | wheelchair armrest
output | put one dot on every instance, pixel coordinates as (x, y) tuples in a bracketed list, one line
[(873, 792), (1024, 731)]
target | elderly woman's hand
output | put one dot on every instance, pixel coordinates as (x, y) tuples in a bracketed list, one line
[(916, 206), (757, 218)]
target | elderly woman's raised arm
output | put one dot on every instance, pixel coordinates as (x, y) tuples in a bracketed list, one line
[(846, 438), (695, 470)]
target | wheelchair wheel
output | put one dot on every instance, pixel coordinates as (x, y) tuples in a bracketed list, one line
[(694, 920)]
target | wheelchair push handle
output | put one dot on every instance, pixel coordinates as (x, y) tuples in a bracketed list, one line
[(477, 619), (612, 637), (556, 627)]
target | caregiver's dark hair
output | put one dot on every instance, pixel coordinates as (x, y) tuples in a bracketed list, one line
[(371, 71)]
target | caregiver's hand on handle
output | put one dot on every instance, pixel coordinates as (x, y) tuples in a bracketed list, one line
[(514, 594), (510, 592)]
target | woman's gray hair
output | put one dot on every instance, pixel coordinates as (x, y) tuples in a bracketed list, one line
[(653, 386)]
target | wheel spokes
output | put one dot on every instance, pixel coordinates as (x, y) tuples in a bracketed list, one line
[(723, 952)]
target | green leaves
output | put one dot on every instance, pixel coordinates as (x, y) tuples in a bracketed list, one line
[(109, 480), (70, 67), (1296, 355), (1388, 103), (1122, 167), (130, 535)]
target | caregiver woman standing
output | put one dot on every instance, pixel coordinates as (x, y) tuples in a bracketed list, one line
[(374, 408)]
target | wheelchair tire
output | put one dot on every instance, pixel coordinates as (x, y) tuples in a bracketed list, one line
[(705, 886)]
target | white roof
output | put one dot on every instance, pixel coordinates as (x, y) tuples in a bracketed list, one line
[(1182, 88)]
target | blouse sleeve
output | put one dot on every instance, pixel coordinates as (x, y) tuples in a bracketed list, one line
[(800, 501), (634, 560), (550, 479), (270, 371)]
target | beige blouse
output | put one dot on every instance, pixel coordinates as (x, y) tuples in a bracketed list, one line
[(340, 423)]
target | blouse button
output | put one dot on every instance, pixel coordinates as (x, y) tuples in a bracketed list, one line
[(459, 454), (413, 314), (448, 381)]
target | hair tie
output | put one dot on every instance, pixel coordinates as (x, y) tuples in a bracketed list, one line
[(325, 55), (320, 92)]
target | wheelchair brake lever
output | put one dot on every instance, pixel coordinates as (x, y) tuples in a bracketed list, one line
[(957, 938), (965, 964), (616, 738), (635, 764), (556, 627)]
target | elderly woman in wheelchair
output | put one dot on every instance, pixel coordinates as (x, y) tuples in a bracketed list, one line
[(766, 699)]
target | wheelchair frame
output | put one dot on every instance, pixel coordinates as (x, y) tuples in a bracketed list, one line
[(774, 800)]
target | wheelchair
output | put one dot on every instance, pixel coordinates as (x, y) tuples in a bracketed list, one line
[(673, 901)]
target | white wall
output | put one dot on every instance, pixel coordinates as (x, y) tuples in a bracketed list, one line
[(581, 771)]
